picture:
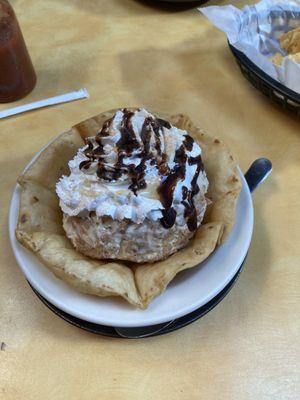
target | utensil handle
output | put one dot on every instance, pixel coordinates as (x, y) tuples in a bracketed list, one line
[(259, 170)]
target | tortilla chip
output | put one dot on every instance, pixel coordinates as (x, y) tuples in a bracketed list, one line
[(277, 59), (290, 41), (295, 57), (40, 219)]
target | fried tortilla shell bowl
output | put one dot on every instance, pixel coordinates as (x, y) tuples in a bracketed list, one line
[(39, 229)]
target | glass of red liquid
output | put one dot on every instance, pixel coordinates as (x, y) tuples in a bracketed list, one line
[(17, 76)]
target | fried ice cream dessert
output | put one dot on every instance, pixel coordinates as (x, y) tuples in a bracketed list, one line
[(136, 190), (120, 204)]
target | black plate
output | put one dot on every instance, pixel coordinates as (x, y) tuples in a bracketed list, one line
[(278, 93), (173, 326)]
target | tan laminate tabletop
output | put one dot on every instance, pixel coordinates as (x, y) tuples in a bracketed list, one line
[(126, 52)]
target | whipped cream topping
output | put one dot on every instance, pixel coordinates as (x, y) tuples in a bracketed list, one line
[(136, 167)]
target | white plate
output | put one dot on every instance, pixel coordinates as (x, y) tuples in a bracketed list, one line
[(190, 290)]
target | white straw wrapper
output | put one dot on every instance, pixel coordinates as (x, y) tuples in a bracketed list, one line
[(64, 98)]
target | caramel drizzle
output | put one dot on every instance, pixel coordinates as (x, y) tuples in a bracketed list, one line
[(128, 143)]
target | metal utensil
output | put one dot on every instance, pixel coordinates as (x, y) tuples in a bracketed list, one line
[(259, 170)]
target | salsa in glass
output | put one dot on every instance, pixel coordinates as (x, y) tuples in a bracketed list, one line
[(17, 76)]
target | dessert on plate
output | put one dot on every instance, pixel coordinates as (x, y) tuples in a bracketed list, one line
[(136, 190), (122, 202)]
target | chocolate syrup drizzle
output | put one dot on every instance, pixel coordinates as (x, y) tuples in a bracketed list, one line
[(127, 144)]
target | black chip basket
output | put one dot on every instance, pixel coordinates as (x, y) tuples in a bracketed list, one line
[(278, 93)]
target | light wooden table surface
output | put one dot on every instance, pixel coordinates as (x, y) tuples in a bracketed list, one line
[(128, 53)]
